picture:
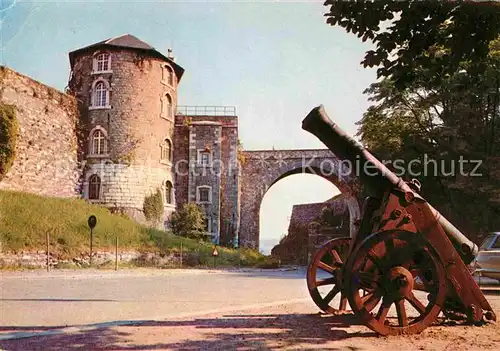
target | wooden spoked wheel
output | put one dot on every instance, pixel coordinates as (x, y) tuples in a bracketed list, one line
[(324, 275), (401, 270)]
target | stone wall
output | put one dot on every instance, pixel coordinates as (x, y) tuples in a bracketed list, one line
[(125, 186), (304, 214), (46, 153), (38, 259)]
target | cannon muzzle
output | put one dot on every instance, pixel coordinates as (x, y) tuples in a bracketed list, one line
[(373, 173)]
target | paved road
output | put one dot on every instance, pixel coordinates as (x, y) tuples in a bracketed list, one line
[(57, 299), (193, 310)]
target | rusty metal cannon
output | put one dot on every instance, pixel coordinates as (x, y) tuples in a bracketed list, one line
[(406, 264)]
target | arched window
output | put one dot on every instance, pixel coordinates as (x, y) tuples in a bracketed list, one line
[(100, 94), (99, 145), (102, 62), (166, 151), (166, 106), (168, 193), (168, 75), (94, 187)]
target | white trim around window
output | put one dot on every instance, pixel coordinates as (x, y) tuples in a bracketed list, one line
[(202, 189), (101, 62), (167, 76), (102, 148), (204, 158), (167, 107), (99, 94)]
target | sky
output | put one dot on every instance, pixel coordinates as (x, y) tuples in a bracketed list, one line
[(273, 60)]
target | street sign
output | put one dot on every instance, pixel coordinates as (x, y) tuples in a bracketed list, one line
[(215, 252), (92, 222)]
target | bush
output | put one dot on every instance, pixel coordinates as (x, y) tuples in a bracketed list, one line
[(153, 207), (190, 222), (8, 138)]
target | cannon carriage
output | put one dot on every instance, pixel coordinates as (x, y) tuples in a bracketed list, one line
[(405, 265)]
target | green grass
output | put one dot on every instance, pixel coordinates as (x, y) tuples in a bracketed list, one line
[(25, 220)]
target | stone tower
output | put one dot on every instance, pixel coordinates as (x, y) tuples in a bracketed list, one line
[(208, 171), (127, 92)]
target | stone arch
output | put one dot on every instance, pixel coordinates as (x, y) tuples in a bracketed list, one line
[(264, 168)]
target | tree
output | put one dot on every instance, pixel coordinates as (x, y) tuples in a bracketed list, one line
[(457, 119), (190, 221), (437, 36)]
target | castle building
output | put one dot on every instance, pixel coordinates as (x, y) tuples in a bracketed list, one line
[(132, 144), (117, 136)]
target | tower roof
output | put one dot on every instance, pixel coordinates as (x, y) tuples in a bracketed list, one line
[(128, 41)]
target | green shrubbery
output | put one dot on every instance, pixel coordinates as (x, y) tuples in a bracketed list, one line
[(190, 221), (8, 137), (153, 207)]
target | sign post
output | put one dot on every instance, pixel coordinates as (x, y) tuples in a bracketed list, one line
[(92, 221), (116, 253), (215, 253), (47, 239)]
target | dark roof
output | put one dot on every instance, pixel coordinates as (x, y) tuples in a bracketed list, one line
[(128, 41)]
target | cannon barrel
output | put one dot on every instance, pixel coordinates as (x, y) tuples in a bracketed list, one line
[(379, 177)]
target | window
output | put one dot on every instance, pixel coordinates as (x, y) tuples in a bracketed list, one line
[(168, 75), (166, 107), (204, 157), (102, 62), (94, 187), (99, 146), (168, 193), (166, 151), (204, 194), (496, 244), (101, 93), (487, 242)]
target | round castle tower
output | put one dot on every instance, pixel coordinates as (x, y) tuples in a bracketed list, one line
[(128, 95)]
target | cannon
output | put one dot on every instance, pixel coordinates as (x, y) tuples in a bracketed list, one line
[(405, 265)]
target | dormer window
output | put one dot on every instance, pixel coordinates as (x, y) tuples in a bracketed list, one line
[(102, 63)]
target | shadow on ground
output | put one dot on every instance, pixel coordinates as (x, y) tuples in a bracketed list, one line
[(260, 331)]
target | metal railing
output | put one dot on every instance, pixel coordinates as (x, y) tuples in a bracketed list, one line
[(206, 110)]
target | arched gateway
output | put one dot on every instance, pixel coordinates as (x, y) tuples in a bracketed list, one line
[(262, 168)]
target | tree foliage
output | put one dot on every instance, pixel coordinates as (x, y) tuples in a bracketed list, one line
[(8, 138), (437, 97), (439, 125), (190, 221), (412, 35)]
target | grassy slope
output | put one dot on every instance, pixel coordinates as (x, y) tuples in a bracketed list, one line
[(26, 218)]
